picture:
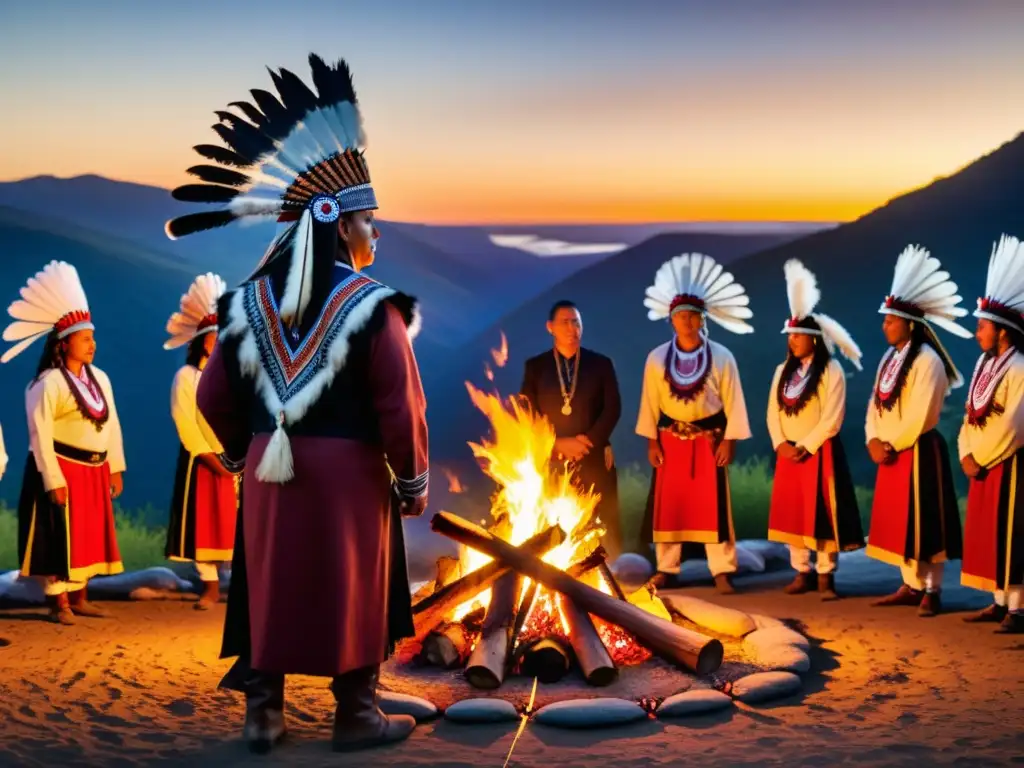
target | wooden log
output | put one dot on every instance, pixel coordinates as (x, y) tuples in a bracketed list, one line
[(612, 581), (547, 659), (447, 646), (489, 660), (675, 644), (596, 664), (439, 606)]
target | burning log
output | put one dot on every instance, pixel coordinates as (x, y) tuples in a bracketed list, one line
[(595, 663), (680, 646), (433, 610), (547, 659), (448, 645), (489, 660)]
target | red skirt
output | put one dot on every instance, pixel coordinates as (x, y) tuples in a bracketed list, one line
[(204, 510), (73, 542), (914, 515), (814, 505), (691, 494), (994, 531)]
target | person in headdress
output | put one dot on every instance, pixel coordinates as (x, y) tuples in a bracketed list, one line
[(577, 390), (314, 383), (915, 520), (692, 412), (813, 506), (204, 501), (990, 444), (75, 467)]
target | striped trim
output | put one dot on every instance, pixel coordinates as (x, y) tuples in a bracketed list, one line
[(413, 489)]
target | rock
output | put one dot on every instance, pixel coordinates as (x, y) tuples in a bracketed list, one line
[(786, 658), (481, 710), (392, 703), (777, 635), (724, 621), (748, 561), (693, 703), (125, 583), (768, 551), (764, 622), (765, 686), (15, 589), (590, 713), (632, 568)]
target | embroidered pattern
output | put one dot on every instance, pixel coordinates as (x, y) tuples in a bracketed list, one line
[(797, 386), (687, 372), (896, 367), (89, 398), (289, 372), (988, 373)]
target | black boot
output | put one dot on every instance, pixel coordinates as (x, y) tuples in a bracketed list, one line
[(902, 596), (1012, 624), (358, 721), (264, 710), (931, 604), (993, 614), (804, 582)]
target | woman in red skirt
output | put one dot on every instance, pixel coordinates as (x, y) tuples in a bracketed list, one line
[(204, 502), (990, 445), (65, 512), (814, 507)]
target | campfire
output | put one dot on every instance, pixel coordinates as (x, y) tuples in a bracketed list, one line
[(531, 592)]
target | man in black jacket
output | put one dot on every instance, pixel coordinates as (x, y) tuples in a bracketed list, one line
[(576, 389)]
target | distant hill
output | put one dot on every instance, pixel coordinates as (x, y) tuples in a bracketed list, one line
[(610, 296)]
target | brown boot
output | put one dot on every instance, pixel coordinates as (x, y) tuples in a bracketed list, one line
[(60, 609), (804, 582), (902, 596), (264, 711), (1012, 624), (358, 721), (993, 614), (723, 583), (931, 605), (662, 580), (827, 586), (80, 606), (210, 596)]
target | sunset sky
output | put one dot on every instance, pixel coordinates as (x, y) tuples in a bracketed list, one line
[(529, 111)]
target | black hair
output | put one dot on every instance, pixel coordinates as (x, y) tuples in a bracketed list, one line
[(52, 356), (196, 350), (562, 304), (819, 362)]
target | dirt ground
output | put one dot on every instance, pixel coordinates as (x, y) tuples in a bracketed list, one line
[(886, 689)]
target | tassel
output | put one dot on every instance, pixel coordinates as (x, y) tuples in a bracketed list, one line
[(277, 465)]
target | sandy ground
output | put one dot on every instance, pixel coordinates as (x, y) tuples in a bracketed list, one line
[(886, 688)]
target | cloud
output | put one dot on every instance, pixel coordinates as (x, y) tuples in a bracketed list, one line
[(537, 246)]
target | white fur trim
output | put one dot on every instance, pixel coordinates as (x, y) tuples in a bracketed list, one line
[(416, 324)]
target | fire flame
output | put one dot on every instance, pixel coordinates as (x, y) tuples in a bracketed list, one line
[(454, 484), (500, 355)]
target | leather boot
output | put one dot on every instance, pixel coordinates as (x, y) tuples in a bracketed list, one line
[(902, 596), (210, 596), (1012, 624), (358, 721), (81, 606), (993, 614), (804, 582), (264, 711), (931, 605), (723, 583), (60, 609), (827, 586), (662, 580)]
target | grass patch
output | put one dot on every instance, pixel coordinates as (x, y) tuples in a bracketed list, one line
[(141, 545)]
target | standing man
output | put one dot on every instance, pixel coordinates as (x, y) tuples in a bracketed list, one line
[(66, 532), (204, 501), (814, 507), (577, 391), (915, 520), (990, 441), (313, 381), (692, 413)]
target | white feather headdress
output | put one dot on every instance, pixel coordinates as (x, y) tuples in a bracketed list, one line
[(52, 300), (1003, 301), (198, 311), (698, 283), (802, 291)]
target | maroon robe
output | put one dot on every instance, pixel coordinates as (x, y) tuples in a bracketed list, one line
[(319, 550)]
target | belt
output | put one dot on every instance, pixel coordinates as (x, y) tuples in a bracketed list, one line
[(79, 454)]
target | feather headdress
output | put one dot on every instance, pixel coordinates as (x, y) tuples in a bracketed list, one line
[(53, 300), (802, 291), (295, 157), (198, 311), (1003, 301), (698, 283), (922, 292)]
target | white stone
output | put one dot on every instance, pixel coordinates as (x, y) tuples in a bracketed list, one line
[(785, 658), (748, 561), (632, 568), (482, 710), (765, 686), (695, 702), (392, 703), (124, 583), (590, 713), (778, 635), (764, 622), (724, 621)]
